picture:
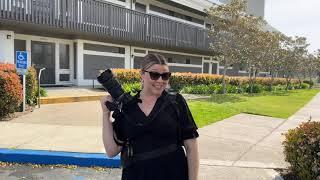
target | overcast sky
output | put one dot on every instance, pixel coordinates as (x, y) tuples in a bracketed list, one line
[(296, 17)]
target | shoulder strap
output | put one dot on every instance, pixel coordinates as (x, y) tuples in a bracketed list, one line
[(173, 99)]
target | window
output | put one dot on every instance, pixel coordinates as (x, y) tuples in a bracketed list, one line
[(64, 56), (140, 51), (170, 60), (140, 7), (104, 48), (208, 26), (188, 18), (187, 61)]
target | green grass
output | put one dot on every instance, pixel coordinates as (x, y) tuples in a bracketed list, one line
[(219, 107)]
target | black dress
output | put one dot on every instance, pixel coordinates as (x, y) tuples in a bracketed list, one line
[(163, 127)]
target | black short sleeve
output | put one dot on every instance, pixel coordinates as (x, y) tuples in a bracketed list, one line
[(187, 124)]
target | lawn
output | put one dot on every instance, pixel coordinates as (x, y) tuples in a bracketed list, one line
[(219, 107)]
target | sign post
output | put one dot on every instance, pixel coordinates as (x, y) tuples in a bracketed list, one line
[(22, 66)]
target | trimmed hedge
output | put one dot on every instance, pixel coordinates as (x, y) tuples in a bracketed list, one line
[(178, 81), (10, 90), (302, 150)]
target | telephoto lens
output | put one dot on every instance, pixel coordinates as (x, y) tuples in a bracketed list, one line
[(108, 81)]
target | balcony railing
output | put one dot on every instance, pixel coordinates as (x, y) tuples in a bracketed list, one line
[(105, 19)]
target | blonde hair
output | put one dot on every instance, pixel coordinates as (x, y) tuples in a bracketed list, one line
[(152, 59)]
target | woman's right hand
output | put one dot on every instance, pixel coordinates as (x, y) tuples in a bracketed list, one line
[(103, 101)]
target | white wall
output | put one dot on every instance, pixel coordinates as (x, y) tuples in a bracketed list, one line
[(7, 47)]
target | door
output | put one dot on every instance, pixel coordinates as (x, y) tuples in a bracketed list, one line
[(43, 56)]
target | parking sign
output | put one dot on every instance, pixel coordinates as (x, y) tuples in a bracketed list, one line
[(22, 62)]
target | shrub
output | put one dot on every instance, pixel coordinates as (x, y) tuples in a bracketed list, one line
[(31, 86), (199, 89), (302, 150), (304, 86), (232, 89), (43, 92), (133, 88), (10, 90), (311, 83), (256, 88)]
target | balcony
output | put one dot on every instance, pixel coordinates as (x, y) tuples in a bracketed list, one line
[(106, 20)]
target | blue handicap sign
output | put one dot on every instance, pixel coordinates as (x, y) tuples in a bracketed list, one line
[(22, 62)]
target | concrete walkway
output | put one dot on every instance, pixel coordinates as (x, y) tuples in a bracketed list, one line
[(241, 147)]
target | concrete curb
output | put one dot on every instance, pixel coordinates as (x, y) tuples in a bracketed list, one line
[(58, 157)]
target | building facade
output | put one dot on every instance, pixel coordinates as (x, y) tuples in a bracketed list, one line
[(75, 39)]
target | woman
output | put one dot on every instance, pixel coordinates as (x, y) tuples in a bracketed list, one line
[(155, 128)]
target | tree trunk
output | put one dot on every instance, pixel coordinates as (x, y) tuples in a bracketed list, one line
[(272, 80), (224, 79), (299, 78), (310, 81)]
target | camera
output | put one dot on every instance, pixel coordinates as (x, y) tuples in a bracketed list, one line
[(110, 84)]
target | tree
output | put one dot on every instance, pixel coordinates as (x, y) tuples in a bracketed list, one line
[(293, 51), (230, 33)]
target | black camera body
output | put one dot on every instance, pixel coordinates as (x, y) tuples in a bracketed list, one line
[(110, 84)]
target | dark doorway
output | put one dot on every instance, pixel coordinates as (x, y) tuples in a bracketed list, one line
[(43, 56)]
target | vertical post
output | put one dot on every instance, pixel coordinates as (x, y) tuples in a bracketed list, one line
[(63, 12), (24, 93), (39, 78)]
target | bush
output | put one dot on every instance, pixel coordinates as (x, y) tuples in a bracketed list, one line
[(10, 90), (232, 89), (256, 88), (302, 150), (31, 86), (304, 86), (311, 83), (199, 89), (133, 88), (43, 92)]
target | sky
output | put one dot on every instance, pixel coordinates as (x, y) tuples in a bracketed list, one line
[(296, 18)]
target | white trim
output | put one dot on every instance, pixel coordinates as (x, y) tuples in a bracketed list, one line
[(124, 4), (185, 65), (79, 62), (222, 67), (98, 53), (57, 62), (127, 58), (28, 49), (170, 52), (176, 19), (41, 38), (139, 54), (243, 72), (102, 43)]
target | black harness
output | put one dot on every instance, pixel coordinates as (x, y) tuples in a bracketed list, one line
[(129, 157)]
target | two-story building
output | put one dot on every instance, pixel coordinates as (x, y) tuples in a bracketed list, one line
[(74, 39)]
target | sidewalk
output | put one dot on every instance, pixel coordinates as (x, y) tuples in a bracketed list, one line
[(241, 147)]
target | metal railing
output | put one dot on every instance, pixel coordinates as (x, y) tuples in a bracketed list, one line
[(106, 19)]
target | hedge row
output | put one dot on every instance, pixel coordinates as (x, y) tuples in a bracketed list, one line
[(180, 80)]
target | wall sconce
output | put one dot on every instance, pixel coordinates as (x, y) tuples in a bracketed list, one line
[(8, 36)]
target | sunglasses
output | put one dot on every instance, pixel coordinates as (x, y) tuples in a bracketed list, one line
[(155, 75)]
